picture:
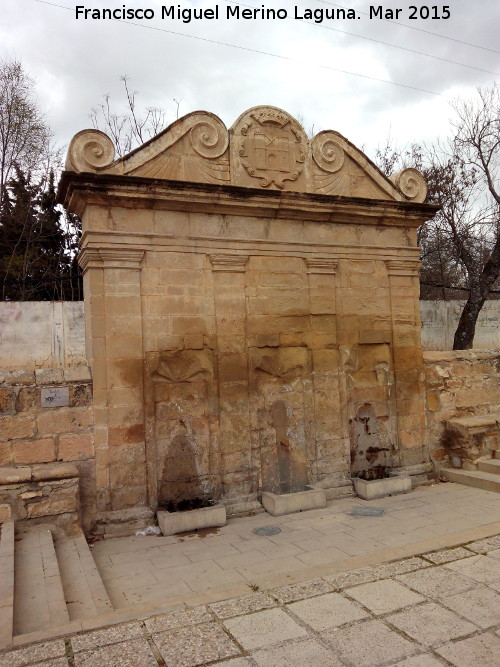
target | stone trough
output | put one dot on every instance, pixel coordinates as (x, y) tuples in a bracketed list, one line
[(288, 503), (379, 488), (172, 523)]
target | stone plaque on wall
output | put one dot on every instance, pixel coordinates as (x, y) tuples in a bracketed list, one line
[(54, 397)]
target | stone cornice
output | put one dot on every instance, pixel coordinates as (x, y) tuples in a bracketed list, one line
[(76, 191), (403, 267), (110, 258), (265, 148), (226, 262), (315, 265)]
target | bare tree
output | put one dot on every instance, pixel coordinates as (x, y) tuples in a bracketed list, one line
[(477, 140), (38, 240), (25, 137), (131, 128), (461, 244)]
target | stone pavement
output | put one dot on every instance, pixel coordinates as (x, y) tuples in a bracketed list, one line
[(206, 566), (440, 608), (392, 606)]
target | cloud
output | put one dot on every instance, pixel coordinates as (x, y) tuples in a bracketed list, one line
[(77, 62)]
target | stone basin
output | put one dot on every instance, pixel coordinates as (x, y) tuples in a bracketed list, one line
[(288, 503), (172, 523), (378, 488)]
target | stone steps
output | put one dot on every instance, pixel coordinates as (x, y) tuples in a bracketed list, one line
[(84, 590), (6, 582), (38, 591), (51, 583), (490, 465), (481, 480)]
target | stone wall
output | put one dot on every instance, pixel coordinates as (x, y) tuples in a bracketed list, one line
[(41, 334), (251, 306), (46, 416), (459, 384), (42, 493)]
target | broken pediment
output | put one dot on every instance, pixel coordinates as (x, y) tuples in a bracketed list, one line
[(266, 148)]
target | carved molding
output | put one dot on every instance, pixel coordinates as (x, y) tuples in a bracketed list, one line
[(412, 184), (209, 138), (328, 151), (266, 147), (110, 258), (89, 258), (282, 362), (316, 265), (193, 149), (184, 366), (90, 150), (403, 267), (233, 263)]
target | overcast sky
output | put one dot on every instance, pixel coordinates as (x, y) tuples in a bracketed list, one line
[(75, 62)]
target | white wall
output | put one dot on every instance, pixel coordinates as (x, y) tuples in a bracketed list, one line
[(41, 334), (440, 320)]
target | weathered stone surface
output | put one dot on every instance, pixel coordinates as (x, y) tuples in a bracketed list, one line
[(7, 401), (49, 375), (17, 426), (180, 522), (40, 450), (237, 323), (5, 513), (288, 503), (53, 471), (462, 405), (13, 475), (76, 446), (265, 148), (379, 488)]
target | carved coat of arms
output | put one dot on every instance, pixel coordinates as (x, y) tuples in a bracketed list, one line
[(272, 147)]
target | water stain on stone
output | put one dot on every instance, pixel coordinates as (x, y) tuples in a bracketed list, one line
[(180, 483)]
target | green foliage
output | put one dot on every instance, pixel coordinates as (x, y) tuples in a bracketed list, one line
[(38, 240), (37, 243)]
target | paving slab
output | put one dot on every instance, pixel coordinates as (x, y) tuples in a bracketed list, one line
[(479, 568), (178, 619), (369, 643), (301, 591), (112, 635), (347, 579), (264, 628), (384, 596), (436, 582), (399, 567), (447, 555), (423, 660), (36, 653), (431, 624), (480, 605), (482, 650), (487, 544), (312, 544), (135, 653), (296, 654), (219, 619), (190, 646), (243, 605), (328, 611)]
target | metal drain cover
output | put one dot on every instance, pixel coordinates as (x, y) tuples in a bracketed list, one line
[(368, 511), (267, 530)]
